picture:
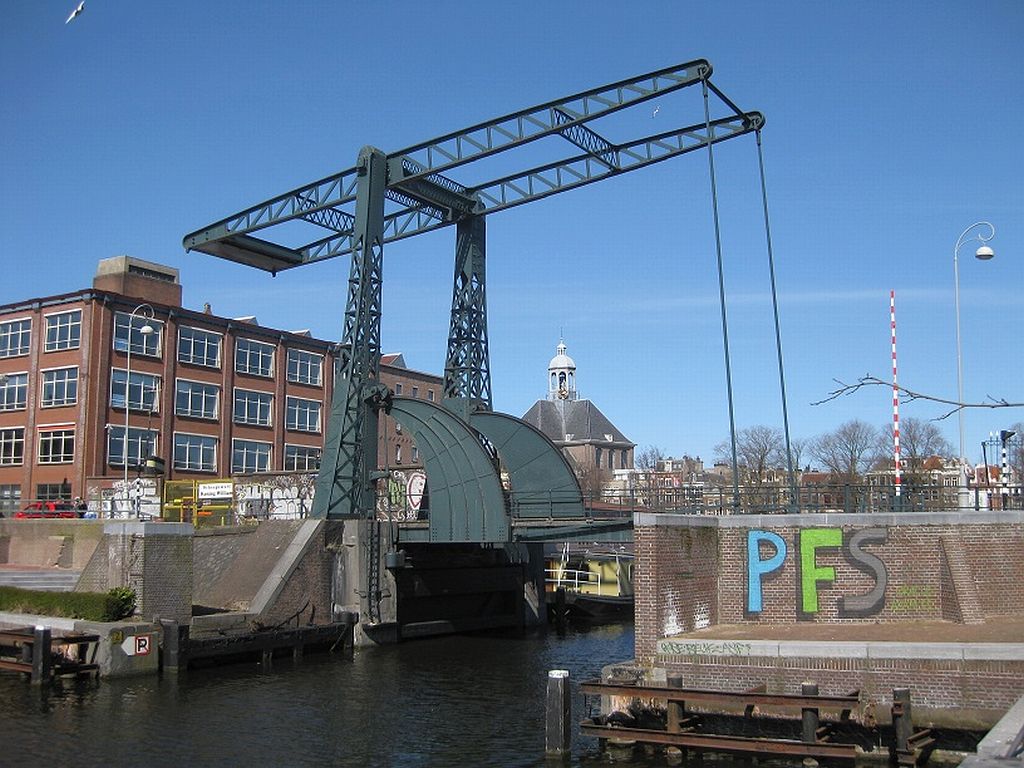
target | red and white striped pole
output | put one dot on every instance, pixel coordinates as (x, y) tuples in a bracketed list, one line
[(895, 394)]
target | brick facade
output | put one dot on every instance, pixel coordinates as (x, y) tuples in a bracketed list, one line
[(693, 573)]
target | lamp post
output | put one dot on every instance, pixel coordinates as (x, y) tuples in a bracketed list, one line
[(145, 330), (984, 253)]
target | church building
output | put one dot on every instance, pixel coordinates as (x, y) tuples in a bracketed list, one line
[(592, 443)]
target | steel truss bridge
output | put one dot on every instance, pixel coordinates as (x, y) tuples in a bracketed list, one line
[(466, 446)]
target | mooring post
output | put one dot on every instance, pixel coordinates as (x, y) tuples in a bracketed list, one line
[(558, 730), (560, 609), (809, 714), (41, 642), (674, 709), (902, 718), (174, 645)]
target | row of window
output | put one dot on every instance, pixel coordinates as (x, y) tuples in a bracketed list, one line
[(415, 391), (197, 453), (195, 345), (140, 392)]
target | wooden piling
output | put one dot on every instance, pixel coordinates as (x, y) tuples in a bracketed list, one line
[(809, 715), (41, 655), (558, 724)]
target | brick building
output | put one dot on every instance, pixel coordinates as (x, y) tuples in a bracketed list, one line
[(211, 396)]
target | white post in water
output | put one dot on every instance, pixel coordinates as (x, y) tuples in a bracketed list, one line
[(558, 726)]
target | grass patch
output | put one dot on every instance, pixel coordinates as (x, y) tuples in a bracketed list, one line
[(118, 603)]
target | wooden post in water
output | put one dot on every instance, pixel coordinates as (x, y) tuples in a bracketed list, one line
[(40, 655), (809, 714), (557, 724)]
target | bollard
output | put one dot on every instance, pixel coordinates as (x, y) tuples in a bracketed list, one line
[(40, 655), (560, 609), (174, 645), (809, 715), (557, 727), (902, 719), (674, 709)]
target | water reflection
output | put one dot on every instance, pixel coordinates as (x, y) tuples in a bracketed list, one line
[(461, 701)]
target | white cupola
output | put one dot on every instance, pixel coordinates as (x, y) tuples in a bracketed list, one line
[(561, 375)]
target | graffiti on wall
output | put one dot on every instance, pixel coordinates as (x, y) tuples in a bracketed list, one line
[(403, 496), (767, 553)]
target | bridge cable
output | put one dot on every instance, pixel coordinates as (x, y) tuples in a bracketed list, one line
[(793, 498), (721, 298)]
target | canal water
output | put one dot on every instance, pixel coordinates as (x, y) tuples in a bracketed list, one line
[(454, 701)]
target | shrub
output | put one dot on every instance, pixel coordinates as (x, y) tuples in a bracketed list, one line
[(116, 604)]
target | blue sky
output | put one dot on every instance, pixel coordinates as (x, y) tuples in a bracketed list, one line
[(891, 127)]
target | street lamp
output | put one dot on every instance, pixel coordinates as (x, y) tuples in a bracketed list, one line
[(984, 253), (145, 330)]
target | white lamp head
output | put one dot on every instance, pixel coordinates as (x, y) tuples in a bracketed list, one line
[(984, 253), (148, 329)]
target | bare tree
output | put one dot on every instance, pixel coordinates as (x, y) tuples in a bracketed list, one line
[(648, 458), (847, 451), (759, 450), (920, 440), (909, 395)]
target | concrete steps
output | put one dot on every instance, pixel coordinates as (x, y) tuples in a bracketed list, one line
[(49, 580)]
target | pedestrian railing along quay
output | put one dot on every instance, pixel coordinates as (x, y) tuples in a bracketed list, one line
[(814, 498)]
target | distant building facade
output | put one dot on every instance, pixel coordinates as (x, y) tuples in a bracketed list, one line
[(211, 396), (577, 426)]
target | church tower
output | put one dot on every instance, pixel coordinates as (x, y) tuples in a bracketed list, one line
[(561, 375)]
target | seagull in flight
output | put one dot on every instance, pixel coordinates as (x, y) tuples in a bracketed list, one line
[(657, 109), (78, 9)]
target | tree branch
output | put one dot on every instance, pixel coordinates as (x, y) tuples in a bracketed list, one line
[(909, 395)]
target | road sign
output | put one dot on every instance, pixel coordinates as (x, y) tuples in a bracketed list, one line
[(138, 645)]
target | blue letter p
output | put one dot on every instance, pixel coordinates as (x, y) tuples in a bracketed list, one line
[(757, 568)]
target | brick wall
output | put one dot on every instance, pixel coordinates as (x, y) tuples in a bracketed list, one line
[(693, 571)]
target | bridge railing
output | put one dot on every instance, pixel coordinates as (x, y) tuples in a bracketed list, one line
[(822, 497)]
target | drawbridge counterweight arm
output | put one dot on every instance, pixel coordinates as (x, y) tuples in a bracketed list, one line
[(417, 181)]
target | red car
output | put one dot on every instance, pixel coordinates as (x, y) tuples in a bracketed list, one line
[(47, 509)]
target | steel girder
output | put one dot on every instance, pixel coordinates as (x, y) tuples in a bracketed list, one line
[(467, 370), (345, 484), (426, 199)]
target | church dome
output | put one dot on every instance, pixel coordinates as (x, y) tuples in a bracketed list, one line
[(561, 360)]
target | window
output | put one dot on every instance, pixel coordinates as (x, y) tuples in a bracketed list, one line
[(141, 444), (13, 391), (398, 454), (53, 491), (60, 387), (254, 357), (301, 458), (197, 453), (15, 337), (303, 415), (415, 391), (398, 388), (249, 456), (415, 455), (143, 391), (57, 446), (430, 395), (10, 498), (199, 347), (141, 343), (305, 367), (196, 399), (12, 446), (64, 330), (253, 407)]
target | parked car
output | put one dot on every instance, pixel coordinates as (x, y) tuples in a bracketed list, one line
[(47, 509)]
